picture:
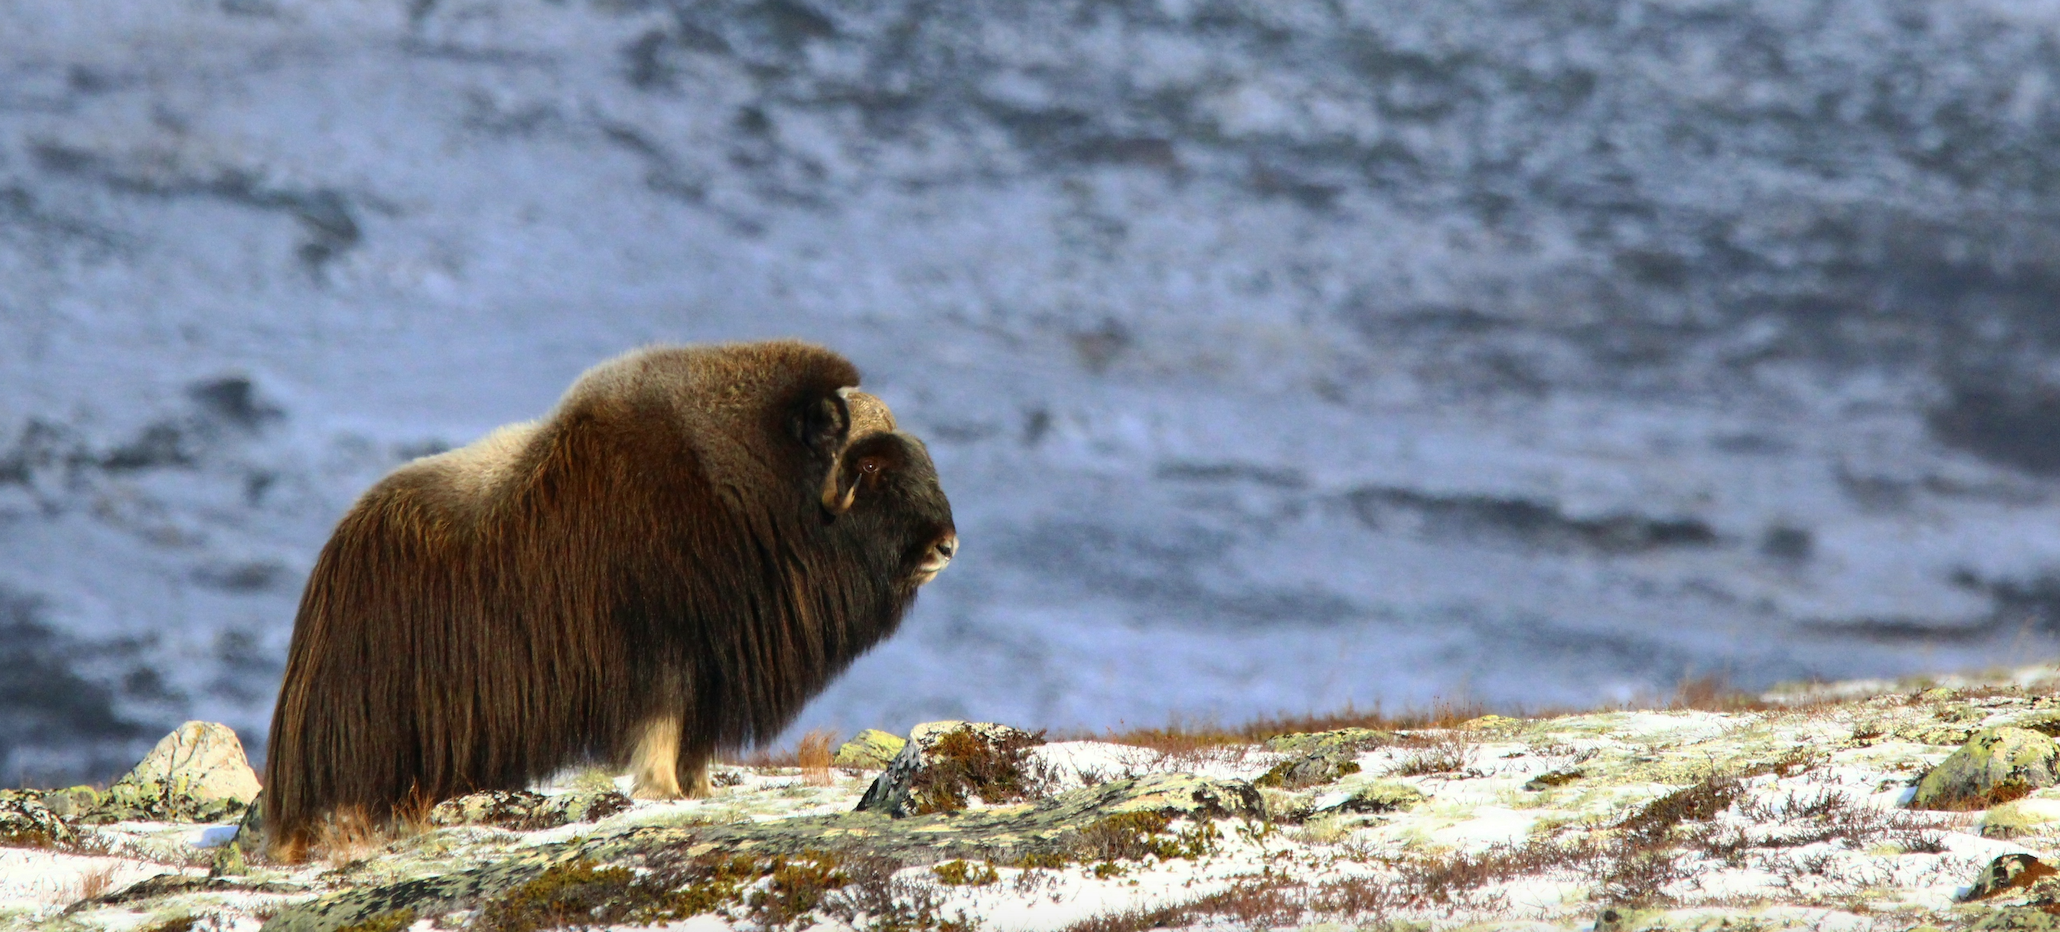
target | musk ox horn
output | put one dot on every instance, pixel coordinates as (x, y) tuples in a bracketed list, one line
[(643, 575)]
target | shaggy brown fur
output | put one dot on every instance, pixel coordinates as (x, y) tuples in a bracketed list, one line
[(688, 548)]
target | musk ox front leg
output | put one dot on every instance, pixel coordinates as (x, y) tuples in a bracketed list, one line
[(655, 756), (663, 765)]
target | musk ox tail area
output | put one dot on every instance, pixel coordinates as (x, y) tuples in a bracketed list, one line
[(675, 559)]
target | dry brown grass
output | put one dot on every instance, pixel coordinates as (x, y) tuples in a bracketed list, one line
[(1440, 752), (814, 754), (1709, 692), (96, 883), (1262, 902), (775, 757), (345, 836), (1179, 737), (1713, 692)]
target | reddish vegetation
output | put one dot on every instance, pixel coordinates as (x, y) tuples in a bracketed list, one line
[(1709, 693)]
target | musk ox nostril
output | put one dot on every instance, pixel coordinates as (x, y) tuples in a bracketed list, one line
[(946, 547)]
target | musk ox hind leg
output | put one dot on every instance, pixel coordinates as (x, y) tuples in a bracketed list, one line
[(693, 771)]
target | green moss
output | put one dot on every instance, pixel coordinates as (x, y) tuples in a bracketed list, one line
[(1043, 860), (390, 921), (965, 874), (574, 893), (711, 883), (580, 893), (798, 886)]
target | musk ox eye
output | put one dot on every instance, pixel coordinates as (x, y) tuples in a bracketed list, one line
[(870, 466)]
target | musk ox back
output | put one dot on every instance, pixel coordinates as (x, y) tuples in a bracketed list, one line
[(674, 560)]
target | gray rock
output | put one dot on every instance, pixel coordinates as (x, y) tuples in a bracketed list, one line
[(2008, 872), (195, 774), (250, 830), (1320, 757), (1995, 765), (523, 810), (1311, 770), (869, 749), (72, 802), (1352, 740), (946, 766)]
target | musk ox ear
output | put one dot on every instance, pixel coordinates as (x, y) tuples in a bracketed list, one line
[(823, 425)]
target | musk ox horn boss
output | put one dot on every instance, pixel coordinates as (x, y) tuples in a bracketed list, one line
[(680, 555)]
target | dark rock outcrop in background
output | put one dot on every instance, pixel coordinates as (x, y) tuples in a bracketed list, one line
[(1546, 352)]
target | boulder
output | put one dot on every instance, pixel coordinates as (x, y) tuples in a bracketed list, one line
[(26, 822), (1319, 757), (250, 830), (72, 802), (1345, 740), (947, 766), (1309, 770), (195, 774), (1994, 766), (870, 749), (2008, 872)]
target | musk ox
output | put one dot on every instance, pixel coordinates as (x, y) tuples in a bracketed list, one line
[(673, 560)]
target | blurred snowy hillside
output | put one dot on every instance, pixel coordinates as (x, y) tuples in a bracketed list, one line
[(1275, 354)]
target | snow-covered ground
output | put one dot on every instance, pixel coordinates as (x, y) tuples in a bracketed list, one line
[(1275, 355)]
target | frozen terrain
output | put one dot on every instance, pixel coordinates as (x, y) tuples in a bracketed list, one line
[(1276, 355), (1797, 817)]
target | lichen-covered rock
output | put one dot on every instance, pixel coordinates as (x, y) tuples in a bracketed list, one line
[(1310, 770), (2008, 872), (195, 774), (26, 822), (869, 749), (2045, 722), (2022, 817), (946, 766), (523, 810), (250, 830), (1057, 829), (1352, 740), (72, 802), (1382, 796), (1995, 765)]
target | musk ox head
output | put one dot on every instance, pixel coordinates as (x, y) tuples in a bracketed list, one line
[(878, 487), (885, 490)]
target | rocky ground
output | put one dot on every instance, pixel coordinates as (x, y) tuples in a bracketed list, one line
[(1860, 806)]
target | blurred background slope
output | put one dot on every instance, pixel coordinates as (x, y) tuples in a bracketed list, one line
[(1276, 355)]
